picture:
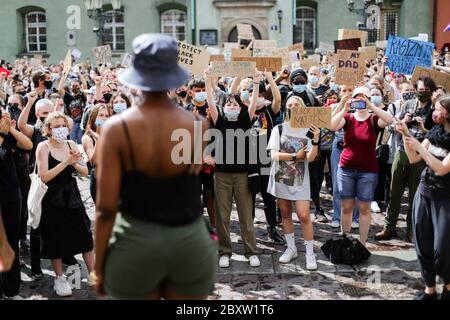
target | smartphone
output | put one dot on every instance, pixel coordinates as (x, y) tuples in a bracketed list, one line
[(310, 134), (358, 105)]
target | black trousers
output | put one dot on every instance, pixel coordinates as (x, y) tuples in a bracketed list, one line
[(325, 155), (21, 162), (384, 183), (314, 168), (10, 281), (431, 228), (270, 204)]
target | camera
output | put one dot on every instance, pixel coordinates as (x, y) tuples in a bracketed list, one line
[(358, 105)]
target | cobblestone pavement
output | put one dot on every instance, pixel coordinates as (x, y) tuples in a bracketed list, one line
[(390, 273)]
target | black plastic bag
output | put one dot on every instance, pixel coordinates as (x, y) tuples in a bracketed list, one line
[(345, 251)]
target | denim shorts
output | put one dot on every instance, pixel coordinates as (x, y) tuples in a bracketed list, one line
[(356, 184)]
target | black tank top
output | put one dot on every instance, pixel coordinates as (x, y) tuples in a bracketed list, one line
[(167, 201)]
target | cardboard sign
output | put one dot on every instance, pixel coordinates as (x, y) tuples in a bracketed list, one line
[(350, 67), (347, 44), (441, 78), (288, 57), (381, 44), (76, 54), (369, 52), (233, 69), (305, 117), (227, 46), (405, 54), (245, 32), (240, 53), (103, 55), (307, 64), (352, 34), (272, 64), (315, 57), (297, 47), (217, 57), (331, 57), (324, 48), (67, 65), (193, 58), (127, 60), (264, 48)]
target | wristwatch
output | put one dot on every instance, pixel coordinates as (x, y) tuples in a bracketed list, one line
[(294, 157)]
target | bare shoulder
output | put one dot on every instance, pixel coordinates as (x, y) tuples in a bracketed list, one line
[(42, 148)]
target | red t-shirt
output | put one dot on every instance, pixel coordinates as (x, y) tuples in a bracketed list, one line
[(8, 73), (359, 144)]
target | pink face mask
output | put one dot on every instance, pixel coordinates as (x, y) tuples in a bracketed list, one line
[(439, 118)]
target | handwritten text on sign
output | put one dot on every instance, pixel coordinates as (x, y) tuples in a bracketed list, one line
[(350, 67), (234, 68), (193, 58), (263, 63), (102, 55), (305, 117), (405, 54), (264, 48)]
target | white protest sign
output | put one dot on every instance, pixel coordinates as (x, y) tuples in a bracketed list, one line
[(264, 48), (103, 55)]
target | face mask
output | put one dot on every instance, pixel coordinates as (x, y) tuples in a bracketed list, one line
[(313, 80), (439, 118), (22, 93), (76, 90), (231, 115), (334, 87), (42, 119), (408, 96), (376, 100), (119, 107), (299, 88), (424, 96), (13, 107), (60, 134), (48, 84), (200, 97), (99, 122), (182, 94), (25, 83), (245, 94), (331, 101), (107, 97)]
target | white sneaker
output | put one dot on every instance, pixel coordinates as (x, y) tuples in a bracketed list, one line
[(288, 255), (16, 297), (62, 287), (335, 224), (254, 261), (355, 225), (374, 207), (311, 263), (224, 262)]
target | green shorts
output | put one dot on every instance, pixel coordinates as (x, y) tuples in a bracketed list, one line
[(144, 256)]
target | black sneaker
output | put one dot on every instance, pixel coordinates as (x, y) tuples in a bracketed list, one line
[(275, 236), (445, 295), (320, 215), (37, 275), (24, 245), (423, 296), (278, 217), (69, 261)]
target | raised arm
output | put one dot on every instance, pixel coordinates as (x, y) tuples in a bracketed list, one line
[(276, 104), (22, 123), (385, 118), (253, 104), (235, 85), (338, 121), (213, 112)]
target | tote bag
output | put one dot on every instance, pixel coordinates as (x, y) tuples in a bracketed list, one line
[(38, 189)]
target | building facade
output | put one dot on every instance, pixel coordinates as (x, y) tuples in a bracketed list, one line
[(50, 27)]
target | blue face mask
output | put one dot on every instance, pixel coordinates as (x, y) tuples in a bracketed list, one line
[(119, 107), (245, 95), (376, 100), (99, 122), (299, 88), (200, 97), (313, 80)]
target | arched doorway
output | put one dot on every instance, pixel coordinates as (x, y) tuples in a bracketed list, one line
[(233, 35)]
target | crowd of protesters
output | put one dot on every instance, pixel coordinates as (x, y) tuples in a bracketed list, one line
[(116, 126)]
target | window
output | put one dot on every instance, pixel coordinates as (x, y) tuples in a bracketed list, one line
[(114, 30), (173, 23), (306, 27), (390, 23), (36, 32)]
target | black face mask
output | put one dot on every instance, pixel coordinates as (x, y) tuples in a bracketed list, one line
[(42, 119), (107, 97), (424, 96), (48, 84), (22, 93), (182, 94), (76, 91), (13, 107)]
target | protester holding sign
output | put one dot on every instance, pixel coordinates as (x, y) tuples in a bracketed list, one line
[(358, 168), (431, 221), (292, 151), (231, 173)]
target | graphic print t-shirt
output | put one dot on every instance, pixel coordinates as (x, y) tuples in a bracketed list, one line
[(75, 106)]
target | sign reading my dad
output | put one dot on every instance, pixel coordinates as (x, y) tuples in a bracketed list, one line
[(405, 54), (350, 67), (347, 44), (305, 117), (193, 58)]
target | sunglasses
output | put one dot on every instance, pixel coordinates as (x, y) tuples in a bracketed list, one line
[(297, 82)]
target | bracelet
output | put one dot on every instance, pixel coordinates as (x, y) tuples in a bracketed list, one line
[(315, 143)]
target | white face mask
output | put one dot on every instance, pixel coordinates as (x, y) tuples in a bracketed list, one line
[(60, 134), (231, 114)]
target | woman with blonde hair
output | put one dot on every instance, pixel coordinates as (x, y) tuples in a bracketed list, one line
[(291, 151), (65, 226), (98, 115)]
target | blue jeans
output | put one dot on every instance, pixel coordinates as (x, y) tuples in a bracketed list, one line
[(335, 158), (356, 184), (76, 134)]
